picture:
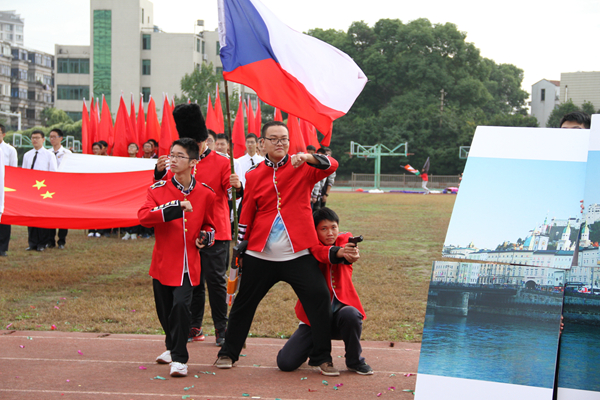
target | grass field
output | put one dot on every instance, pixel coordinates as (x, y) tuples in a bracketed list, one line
[(102, 284)]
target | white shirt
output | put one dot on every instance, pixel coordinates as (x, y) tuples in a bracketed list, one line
[(60, 153), (10, 154), (246, 162), (45, 161)]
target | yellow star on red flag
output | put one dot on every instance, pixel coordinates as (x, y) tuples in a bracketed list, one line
[(39, 184), (47, 195)]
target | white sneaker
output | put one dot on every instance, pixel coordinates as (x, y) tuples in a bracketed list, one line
[(164, 358), (127, 236), (91, 234), (97, 234), (178, 369), (133, 236)]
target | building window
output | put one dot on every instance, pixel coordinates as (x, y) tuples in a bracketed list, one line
[(30, 113), (146, 94), (203, 47), (8, 27), (64, 92), (102, 41), (31, 95), (74, 115), (73, 65), (218, 48), (146, 42), (19, 74), (145, 67), (198, 45), (19, 28), (543, 94)]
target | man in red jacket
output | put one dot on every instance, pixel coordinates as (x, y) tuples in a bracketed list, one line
[(335, 256), (179, 210), (276, 221)]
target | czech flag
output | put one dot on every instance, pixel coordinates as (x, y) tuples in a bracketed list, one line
[(297, 73)]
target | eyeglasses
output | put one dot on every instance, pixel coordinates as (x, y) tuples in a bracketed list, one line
[(175, 157), (276, 141)]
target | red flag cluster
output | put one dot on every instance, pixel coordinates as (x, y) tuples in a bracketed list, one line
[(98, 125)]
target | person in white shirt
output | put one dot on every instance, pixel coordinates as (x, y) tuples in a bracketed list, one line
[(250, 159), (39, 159), (56, 137), (9, 154)]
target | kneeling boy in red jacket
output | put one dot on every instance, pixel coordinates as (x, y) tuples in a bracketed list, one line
[(335, 256)]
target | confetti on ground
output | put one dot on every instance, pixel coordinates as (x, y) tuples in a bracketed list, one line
[(257, 365), (392, 375), (8, 326), (242, 355), (195, 376), (160, 378), (29, 338), (32, 306), (312, 390), (335, 388), (245, 395), (142, 367), (187, 396), (409, 391), (80, 352), (256, 397), (391, 388), (325, 383), (21, 346), (63, 298), (208, 372), (379, 394), (68, 380), (303, 379), (408, 375), (132, 311), (188, 388), (53, 327), (339, 384)]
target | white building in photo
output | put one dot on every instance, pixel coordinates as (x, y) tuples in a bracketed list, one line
[(545, 96)]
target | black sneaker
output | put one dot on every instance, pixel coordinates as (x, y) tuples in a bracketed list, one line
[(363, 369), (220, 337), (196, 335)]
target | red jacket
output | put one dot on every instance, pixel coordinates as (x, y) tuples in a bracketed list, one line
[(214, 169), (281, 189), (338, 276), (175, 230)]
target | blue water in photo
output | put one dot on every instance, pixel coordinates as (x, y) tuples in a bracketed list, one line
[(490, 347), (579, 357)]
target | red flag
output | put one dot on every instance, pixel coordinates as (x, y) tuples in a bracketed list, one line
[(258, 118), (123, 131), (174, 133), (105, 128), (237, 136), (309, 133), (141, 127), (133, 122), (219, 113), (86, 145), (152, 125), (296, 141), (164, 144), (93, 123), (73, 201), (277, 116), (211, 118), (251, 123)]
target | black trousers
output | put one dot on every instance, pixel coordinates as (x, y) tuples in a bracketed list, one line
[(214, 262), (346, 325), (4, 237), (39, 237), (173, 309), (258, 277), (62, 237)]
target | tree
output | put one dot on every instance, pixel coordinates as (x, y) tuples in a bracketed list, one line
[(52, 116), (564, 108), (197, 85), (408, 66)]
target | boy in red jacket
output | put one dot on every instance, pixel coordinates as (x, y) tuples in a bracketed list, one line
[(180, 211), (335, 256)]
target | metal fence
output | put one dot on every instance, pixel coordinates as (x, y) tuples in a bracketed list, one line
[(402, 181)]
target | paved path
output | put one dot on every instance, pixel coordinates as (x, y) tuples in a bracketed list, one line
[(73, 365)]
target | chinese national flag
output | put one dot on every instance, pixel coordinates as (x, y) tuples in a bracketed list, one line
[(164, 144), (124, 133), (237, 136), (277, 116), (220, 125), (73, 201), (211, 119)]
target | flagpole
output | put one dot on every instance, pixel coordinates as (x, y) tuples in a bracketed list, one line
[(233, 193)]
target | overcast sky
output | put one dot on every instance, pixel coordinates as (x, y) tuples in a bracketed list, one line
[(542, 38)]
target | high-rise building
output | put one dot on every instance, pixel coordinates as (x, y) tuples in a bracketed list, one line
[(11, 27), (129, 54)]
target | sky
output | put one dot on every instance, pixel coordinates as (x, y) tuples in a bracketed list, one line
[(542, 38)]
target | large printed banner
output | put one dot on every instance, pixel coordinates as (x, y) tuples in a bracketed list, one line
[(73, 201), (524, 238)]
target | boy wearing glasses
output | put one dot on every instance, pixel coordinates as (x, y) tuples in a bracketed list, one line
[(276, 221), (180, 211)]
